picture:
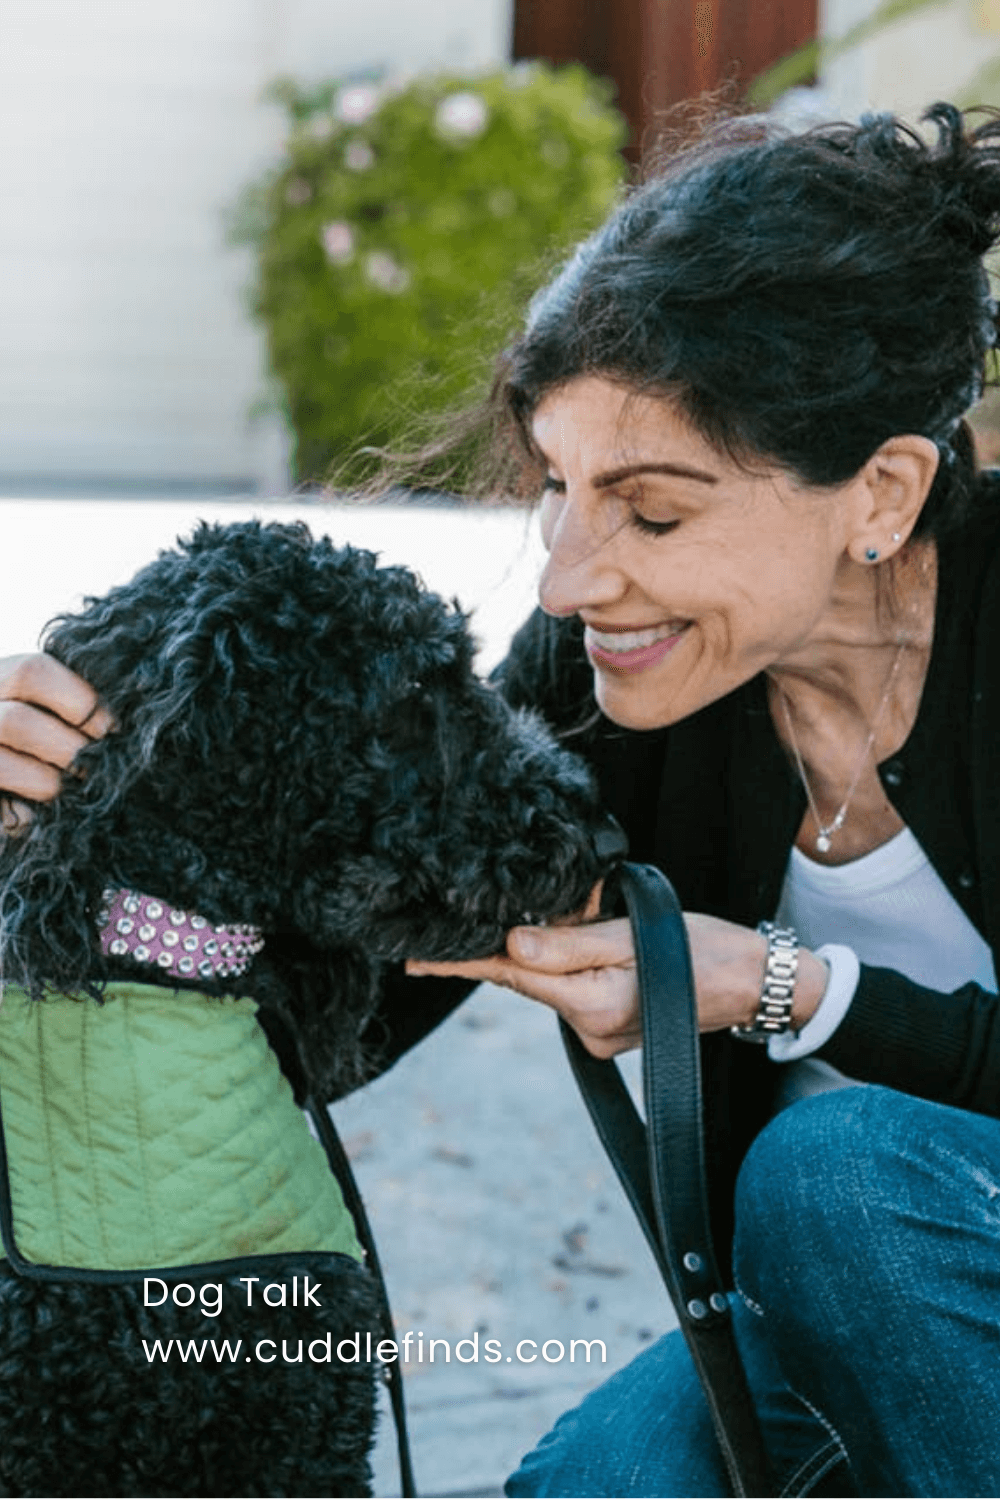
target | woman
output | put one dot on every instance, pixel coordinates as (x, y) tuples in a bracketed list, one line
[(772, 564)]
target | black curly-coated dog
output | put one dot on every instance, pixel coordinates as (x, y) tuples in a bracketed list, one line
[(301, 744)]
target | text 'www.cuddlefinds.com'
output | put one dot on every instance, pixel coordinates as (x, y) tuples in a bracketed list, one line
[(356, 1348)]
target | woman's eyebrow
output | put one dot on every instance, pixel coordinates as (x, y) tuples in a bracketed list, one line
[(629, 471)]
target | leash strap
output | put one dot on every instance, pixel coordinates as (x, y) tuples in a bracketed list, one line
[(341, 1169), (661, 1165)]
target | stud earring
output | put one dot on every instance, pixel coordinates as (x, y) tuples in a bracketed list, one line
[(897, 536), (871, 554)]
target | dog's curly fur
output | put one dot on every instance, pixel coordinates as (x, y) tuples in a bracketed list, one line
[(300, 743), (85, 1411)]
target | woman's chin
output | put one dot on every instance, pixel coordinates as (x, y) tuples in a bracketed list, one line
[(624, 703), (651, 689)]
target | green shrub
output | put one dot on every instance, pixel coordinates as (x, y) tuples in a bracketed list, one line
[(399, 240)]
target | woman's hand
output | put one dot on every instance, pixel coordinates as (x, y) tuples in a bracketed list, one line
[(587, 973), (47, 715)]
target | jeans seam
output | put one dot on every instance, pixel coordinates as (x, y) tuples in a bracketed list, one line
[(812, 1470), (823, 1421), (747, 1300)]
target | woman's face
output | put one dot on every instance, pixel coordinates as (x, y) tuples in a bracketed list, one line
[(690, 574)]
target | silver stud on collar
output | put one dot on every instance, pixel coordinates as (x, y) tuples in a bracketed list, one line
[(220, 951)]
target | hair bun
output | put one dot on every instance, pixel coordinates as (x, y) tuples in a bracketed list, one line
[(965, 169)]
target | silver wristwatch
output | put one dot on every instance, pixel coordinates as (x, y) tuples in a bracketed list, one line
[(777, 993)]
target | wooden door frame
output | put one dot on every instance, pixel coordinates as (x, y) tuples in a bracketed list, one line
[(659, 52)]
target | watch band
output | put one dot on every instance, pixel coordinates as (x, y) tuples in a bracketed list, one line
[(777, 992)]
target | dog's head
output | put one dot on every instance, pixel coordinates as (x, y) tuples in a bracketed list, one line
[(302, 744)]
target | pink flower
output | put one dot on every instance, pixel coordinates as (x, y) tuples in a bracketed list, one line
[(338, 242), (386, 273), (461, 115), (359, 156), (356, 103)]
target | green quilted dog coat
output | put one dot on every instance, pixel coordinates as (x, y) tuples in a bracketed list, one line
[(156, 1130)]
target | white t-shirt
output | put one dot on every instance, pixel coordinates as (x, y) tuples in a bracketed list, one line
[(889, 909)]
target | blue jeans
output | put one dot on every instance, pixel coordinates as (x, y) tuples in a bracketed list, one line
[(867, 1260)]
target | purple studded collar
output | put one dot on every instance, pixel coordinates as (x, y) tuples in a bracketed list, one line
[(177, 942)]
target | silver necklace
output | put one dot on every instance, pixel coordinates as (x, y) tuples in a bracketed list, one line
[(825, 831)]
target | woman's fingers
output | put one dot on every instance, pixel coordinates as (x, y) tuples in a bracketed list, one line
[(31, 734), (586, 973), (47, 716), (41, 680), (569, 950), (482, 970), (15, 815), (600, 1004), (25, 778), (544, 952)]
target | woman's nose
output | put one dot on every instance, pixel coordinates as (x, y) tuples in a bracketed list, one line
[(580, 571)]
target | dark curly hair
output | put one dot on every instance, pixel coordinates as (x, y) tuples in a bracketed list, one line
[(801, 297)]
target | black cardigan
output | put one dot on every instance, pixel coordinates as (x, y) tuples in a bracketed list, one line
[(714, 802)]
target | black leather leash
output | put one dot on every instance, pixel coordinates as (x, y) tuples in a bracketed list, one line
[(393, 1375), (661, 1165)]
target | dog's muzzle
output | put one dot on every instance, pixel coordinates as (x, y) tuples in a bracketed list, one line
[(150, 931)]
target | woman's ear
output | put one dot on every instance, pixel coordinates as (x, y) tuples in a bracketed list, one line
[(896, 481)]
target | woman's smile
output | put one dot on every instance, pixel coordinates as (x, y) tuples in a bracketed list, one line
[(624, 648)]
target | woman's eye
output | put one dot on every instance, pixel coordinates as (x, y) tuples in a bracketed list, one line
[(555, 486), (651, 528)]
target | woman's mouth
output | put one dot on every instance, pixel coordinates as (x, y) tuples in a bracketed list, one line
[(632, 650)]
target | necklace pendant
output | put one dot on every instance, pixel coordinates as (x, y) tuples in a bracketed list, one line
[(824, 831)]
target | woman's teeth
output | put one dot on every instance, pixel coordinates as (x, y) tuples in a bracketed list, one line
[(620, 642)]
